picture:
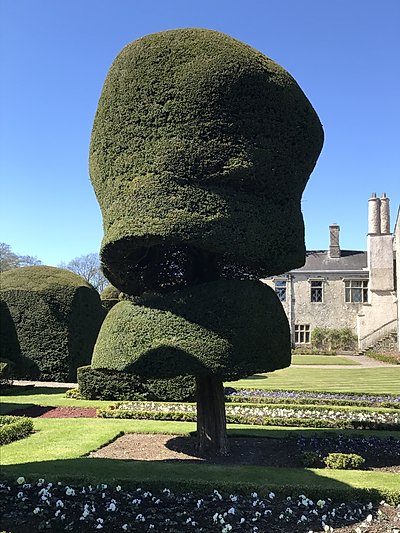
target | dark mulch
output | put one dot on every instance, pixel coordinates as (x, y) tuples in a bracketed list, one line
[(40, 411)]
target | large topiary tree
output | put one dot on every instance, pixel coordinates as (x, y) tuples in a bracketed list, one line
[(50, 319), (200, 151)]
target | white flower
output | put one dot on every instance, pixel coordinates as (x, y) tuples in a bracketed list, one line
[(69, 491), (369, 518), (231, 510), (100, 520), (321, 503), (36, 510), (233, 498), (303, 518), (226, 528), (271, 495), (358, 530), (125, 527), (215, 517), (254, 495), (99, 526), (111, 507), (118, 488), (20, 495), (57, 513), (21, 480), (199, 502), (59, 503), (40, 482)]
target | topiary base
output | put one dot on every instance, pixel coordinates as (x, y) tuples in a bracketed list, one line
[(112, 385)]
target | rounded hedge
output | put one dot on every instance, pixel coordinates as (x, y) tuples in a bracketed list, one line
[(50, 318), (201, 140), (191, 332)]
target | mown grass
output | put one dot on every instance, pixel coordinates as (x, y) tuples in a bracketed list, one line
[(58, 448), (383, 380), (322, 360)]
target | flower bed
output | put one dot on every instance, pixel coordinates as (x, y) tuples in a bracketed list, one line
[(308, 397), (60, 507), (261, 415)]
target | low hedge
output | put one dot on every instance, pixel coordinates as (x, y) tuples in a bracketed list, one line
[(344, 461), (188, 416), (14, 428), (391, 358), (111, 385)]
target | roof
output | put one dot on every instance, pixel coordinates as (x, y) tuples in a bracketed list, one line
[(319, 260)]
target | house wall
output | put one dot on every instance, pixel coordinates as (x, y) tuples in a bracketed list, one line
[(332, 312)]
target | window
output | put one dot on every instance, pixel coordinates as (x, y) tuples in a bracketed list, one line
[(302, 334), (356, 291), (316, 291), (280, 289)]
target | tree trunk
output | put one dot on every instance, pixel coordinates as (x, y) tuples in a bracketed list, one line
[(211, 419)]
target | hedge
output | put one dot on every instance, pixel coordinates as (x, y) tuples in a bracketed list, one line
[(201, 141), (14, 428), (191, 332), (50, 319), (110, 385), (188, 416)]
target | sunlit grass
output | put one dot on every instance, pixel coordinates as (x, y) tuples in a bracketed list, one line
[(384, 380), (322, 360)]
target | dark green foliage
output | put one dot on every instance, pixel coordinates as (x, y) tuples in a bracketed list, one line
[(111, 385), (14, 428), (6, 373), (50, 319), (202, 141), (110, 293), (227, 328), (109, 297), (344, 461)]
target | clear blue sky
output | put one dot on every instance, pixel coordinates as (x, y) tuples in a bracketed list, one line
[(54, 59)]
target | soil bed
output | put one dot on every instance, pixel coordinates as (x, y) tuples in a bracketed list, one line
[(41, 411), (283, 453)]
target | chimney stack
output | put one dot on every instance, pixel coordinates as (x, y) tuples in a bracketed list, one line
[(374, 215), (334, 247), (385, 215)]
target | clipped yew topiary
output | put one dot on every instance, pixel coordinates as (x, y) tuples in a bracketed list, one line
[(110, 385), (109, 297), (201, 140), (50, 319), (200, 151)]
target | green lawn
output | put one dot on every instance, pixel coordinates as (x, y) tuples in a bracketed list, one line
[(58, 447), (381, 380), (322, 360)]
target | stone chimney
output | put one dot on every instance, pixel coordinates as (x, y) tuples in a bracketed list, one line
[(374, 215), (385, 214), (334, 247)]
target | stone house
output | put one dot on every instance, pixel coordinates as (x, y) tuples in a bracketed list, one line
[(346, 288)]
